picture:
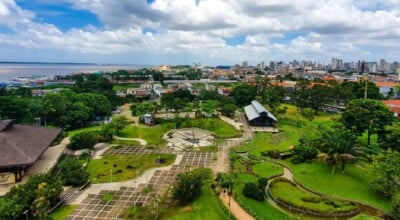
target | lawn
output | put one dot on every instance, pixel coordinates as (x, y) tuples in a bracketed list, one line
[(62, 212), (353, 184), (124, 86), (204, 207), (125, 142), (118, 168), (219, 127), (153, 135), (78, 130), (289, 193), (263, 209), (267, 169)]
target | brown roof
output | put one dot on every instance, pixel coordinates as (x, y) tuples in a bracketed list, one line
[(22, 145)]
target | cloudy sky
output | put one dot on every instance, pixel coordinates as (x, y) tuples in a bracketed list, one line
[(207, 31)]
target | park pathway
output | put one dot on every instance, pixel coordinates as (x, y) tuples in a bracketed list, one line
[(235, 208)]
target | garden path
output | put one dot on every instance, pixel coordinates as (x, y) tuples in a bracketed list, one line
[(235, 208)]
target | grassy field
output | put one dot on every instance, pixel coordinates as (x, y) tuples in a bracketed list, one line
[(62, 212), (353, 184), (121, 87), (219, 127), (153, 135), (289, 193), (126, 142), (204, 207), (267, 169), (78, 130), (120, 168)]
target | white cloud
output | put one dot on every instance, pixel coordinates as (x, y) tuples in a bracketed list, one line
[(321, 29)]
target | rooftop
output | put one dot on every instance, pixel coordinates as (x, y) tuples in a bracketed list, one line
[(22, 145)]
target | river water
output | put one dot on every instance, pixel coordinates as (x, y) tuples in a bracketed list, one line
[(11, 70)]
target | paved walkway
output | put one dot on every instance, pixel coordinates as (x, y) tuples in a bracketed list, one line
[(235, 208), (142, 141), (144, 178)]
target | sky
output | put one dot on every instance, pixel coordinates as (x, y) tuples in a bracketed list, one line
[(211, 32)]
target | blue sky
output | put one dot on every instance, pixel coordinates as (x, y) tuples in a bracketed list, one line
[(208, 31)]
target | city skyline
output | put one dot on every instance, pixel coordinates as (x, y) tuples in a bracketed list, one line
[(208, 31)]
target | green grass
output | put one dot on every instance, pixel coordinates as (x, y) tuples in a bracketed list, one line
[(121, 87), (204, 207), (153, 135), (353, 184), (126, 142), (295, 196), (246, 178), (267, 169), (107, 197), (62, 212), (262, 209), (219, 127), (78, 130), (123, 167), (139, 213)]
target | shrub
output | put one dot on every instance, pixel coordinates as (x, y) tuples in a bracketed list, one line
[(303, 153), (252, 191), (84, 140), (262, 183), (72, 173)]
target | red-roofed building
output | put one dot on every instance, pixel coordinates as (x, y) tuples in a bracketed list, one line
[(394, 106)]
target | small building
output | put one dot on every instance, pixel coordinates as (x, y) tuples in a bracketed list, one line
[(257, 115), (225, 91), (20, 147), (148, 119)]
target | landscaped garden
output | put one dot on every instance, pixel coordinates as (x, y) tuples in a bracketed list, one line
[(154, 135), (318, 174), (117, 168), (287, 192)]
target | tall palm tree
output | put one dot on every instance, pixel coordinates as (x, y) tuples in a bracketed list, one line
[(337, 145)]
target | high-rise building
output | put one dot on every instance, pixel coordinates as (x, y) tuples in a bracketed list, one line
[(245, 64)]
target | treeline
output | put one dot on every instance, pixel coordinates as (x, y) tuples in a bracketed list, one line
[(92, 98)]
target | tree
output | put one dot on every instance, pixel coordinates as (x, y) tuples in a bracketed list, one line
[(390, 138), (187, 188), (244, 94), (384, 172), (228, 110), (366, 115), (145, 107), (307, 113), (40, 205), (251, 190), (84, 140), (337, 145), (209, 107), (118, 123), (72, 172)]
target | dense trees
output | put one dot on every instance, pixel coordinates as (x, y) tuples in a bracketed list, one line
[(37, 195), (244, 94), (72, 172), (68, 109), (384, 172), (367, 115)]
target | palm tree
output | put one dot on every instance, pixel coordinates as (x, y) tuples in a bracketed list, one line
[(337, 145)]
